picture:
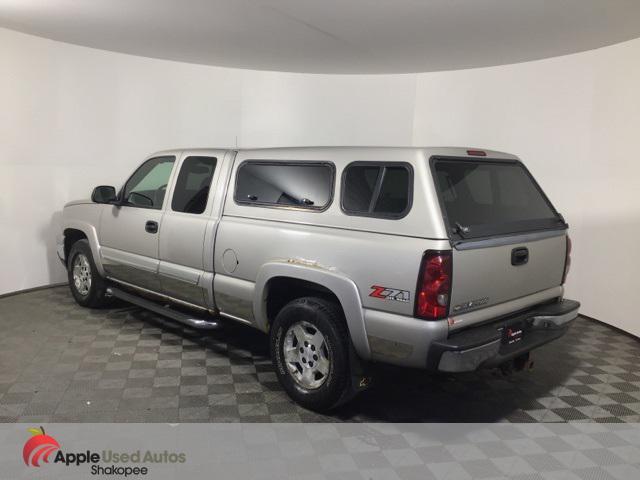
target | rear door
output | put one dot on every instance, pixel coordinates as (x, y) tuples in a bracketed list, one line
[(509, 241), (188, 228)]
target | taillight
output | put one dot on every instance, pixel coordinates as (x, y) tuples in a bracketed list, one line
[(567, 260), (434, 285)]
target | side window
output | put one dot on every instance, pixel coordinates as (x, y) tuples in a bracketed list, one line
[(192, 186), (303, 185), (148, 185), (377, 189)]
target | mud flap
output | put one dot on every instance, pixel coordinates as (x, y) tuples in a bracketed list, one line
[(360, 378)]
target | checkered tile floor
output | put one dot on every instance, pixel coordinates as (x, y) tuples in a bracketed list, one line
[(434, 452), (62, 363)]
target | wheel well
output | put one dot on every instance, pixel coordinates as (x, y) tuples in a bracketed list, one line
[(71, 236), (282, 290)]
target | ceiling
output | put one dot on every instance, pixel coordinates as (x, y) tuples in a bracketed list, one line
[(332, 36)]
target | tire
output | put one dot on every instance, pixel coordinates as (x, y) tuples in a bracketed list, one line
[(87, 286), (315, 374)]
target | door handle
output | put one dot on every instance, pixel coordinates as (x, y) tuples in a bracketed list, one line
[(151, 226), (519, 256)]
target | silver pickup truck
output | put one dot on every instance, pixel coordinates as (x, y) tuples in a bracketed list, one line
[(445, 259)]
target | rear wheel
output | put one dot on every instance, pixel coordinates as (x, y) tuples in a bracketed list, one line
[(87, 286), (310, 352)]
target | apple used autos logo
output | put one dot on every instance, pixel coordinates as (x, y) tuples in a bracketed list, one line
[(38, 447)]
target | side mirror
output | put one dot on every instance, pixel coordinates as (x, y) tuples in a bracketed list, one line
[(104, 194)]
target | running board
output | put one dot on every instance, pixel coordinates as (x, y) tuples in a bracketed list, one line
[(165, 311)]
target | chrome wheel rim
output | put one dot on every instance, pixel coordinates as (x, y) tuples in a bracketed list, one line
[(82, 274), (306, 355)]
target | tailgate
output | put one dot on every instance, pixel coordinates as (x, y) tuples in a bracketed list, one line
[(487, 276)]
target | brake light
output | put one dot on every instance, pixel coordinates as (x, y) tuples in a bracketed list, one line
[(477, 153), (434, 285), (567, 260)]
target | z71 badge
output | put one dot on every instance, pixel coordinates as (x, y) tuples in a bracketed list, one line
[(386, 293)]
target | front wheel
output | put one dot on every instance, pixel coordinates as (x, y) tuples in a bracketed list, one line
[(310, 352), (87, 286)]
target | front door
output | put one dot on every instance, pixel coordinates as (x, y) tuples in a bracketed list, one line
[(129, 232)]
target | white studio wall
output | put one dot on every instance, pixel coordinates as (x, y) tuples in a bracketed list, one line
[(297, 109), (74, 117)]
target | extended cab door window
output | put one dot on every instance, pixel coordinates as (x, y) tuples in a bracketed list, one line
[(192, 187), (148, 185)]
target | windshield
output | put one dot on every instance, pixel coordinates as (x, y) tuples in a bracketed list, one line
[(492, 198)]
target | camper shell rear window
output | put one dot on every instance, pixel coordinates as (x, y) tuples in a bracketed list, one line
[(484, 198)]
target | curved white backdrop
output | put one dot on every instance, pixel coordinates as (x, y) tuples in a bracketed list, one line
[(73, 117)]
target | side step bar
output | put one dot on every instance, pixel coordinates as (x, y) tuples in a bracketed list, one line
[(166, 311)]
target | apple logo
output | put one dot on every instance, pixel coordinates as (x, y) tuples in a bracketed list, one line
[(38, 447)]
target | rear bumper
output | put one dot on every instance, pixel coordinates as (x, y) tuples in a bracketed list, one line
[(483, 346)]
